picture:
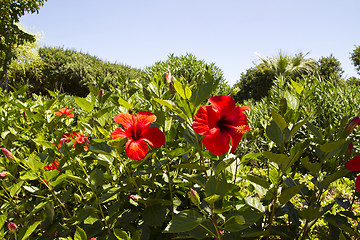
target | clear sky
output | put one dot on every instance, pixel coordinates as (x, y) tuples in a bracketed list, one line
[(225, 32)]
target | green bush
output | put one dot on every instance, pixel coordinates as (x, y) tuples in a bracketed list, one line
[(190, 68)]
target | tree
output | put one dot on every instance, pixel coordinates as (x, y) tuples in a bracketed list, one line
[(256, 82), (329, 68), (189, 67), (11, 36), (355, 57), (287, 67)]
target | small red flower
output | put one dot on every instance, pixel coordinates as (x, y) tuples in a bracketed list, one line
[(65, 111), (53, 166), (3, 174), (221, 122), (7, 153), (137, 129), (354, 165)]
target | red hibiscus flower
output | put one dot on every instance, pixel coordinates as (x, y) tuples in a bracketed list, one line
[(221, 122), (53, 166), (65, 111), (354, 165), (137, 130), (79, 139)]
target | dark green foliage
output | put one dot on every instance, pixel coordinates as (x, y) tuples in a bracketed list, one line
[(329, 68), (255, 83), (70, 71), (355, 57), (11, 35), (353, 81), (190, 68)]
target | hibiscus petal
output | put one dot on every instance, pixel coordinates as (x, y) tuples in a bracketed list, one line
[(205, 120), (125, 119), (118, 133), (217, 143), (154, 136), (223, 103), (144, 119), (244, 108), (136, 150), (357, 183), (353, 164)]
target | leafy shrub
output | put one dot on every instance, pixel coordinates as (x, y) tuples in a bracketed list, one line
[(190, 68)]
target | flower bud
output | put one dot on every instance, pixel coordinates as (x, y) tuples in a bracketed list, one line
[(171, 88), (3, 174), (7, 153), (100, 95), (12, 227), (349, 149), (134, 197), (354, 122), (194, 197), (168, 77)]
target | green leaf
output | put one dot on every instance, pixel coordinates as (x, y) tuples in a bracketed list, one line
[(202, 93), (80, 234), (273, 132), (277, 158), (274, 176), (213, 198), (84, 104), (279, 120), (314, 130), (258, 180), (311, 213), (28, 230), (329, 147), (183, 90), (171, 106), (185, 221), (154, 215), (292, 100), (297, 87), (335, 176), (121, 235), (14, 189), (101, 148), (255, 203), (288, 193), (312, 167), (124, 103), (296, 128)]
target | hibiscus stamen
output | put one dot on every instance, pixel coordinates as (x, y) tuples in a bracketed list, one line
[(242, 129)]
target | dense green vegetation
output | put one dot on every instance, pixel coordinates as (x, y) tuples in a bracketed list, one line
[(99, 150)]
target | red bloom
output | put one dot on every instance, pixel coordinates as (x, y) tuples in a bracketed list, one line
[(3, 174), (220, 122), (65, 111), (137, 130), (52, 166), (354, 165)]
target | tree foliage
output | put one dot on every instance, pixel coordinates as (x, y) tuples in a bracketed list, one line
[(11, 35), (188, 67), (329, 68), (355, 57), (256, 82), (70, 71)]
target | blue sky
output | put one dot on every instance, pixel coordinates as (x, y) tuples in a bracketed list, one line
[(227, 32)]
